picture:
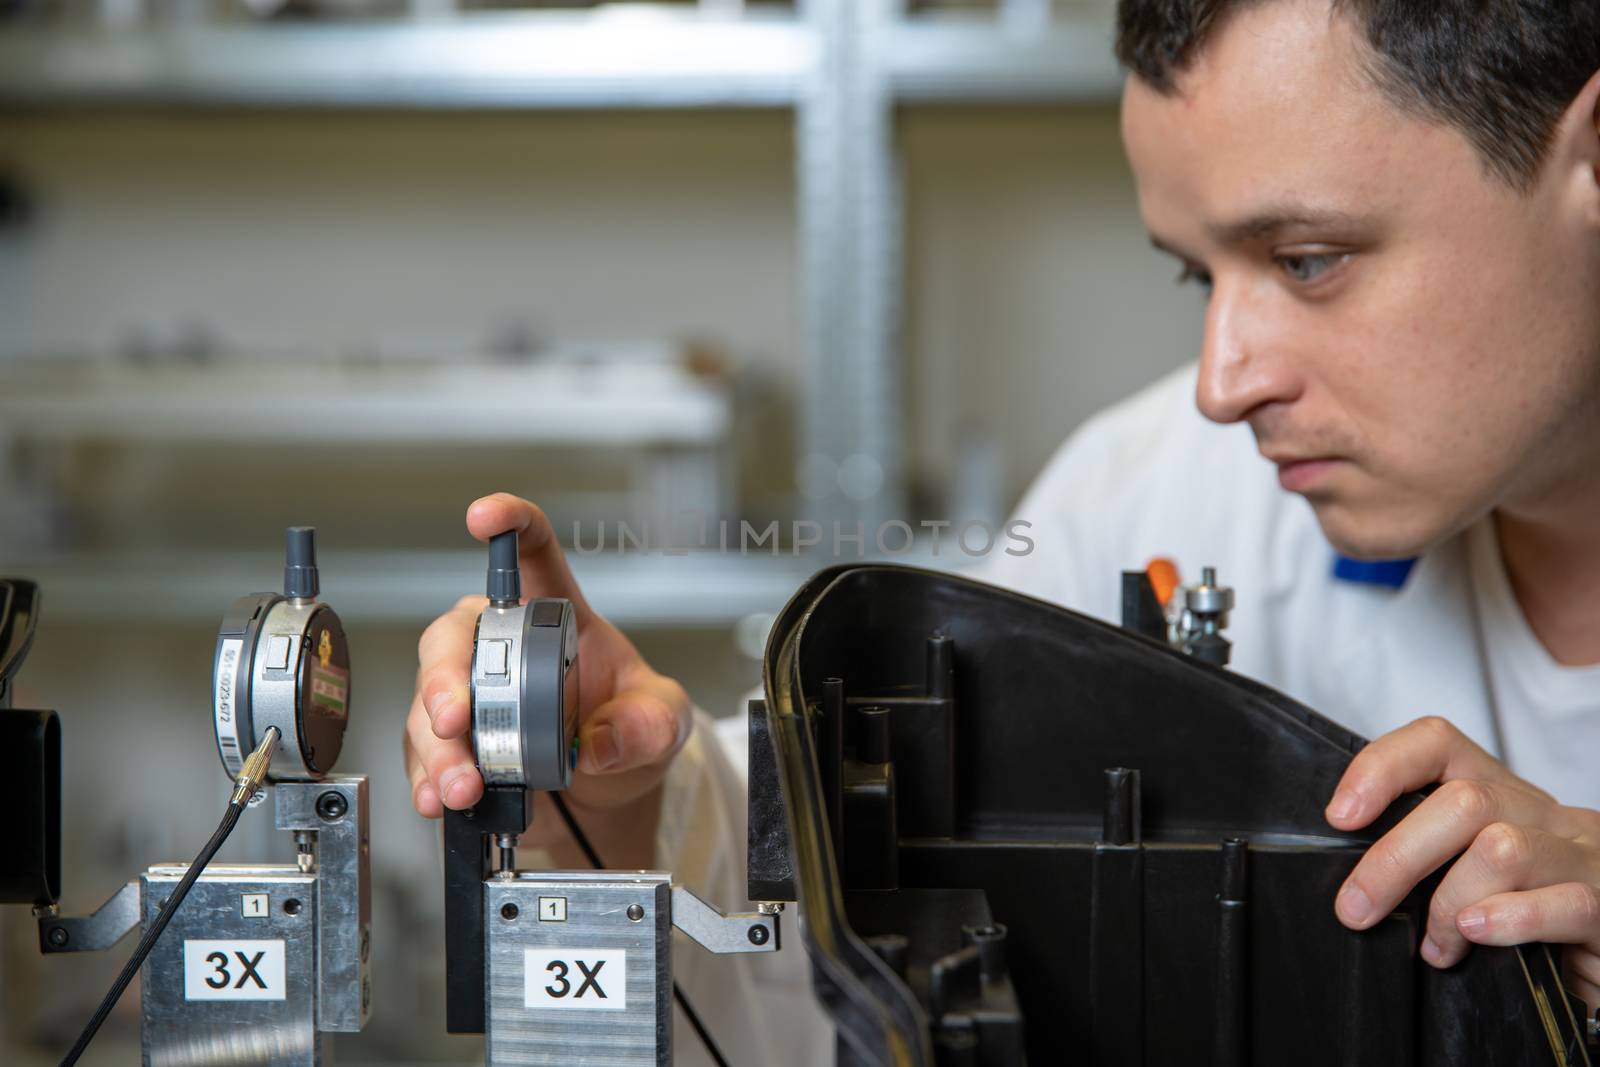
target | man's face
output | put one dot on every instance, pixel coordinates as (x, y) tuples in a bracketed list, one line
[(1413, 342)]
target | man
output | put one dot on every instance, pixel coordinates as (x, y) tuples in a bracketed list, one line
[(1395, 210)]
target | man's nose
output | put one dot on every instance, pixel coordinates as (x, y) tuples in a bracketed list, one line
[(1240, 370)]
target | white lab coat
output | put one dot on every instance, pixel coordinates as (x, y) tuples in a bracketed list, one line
[(1151, 477)]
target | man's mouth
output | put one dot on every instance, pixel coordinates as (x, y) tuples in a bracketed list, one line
[(1304, 475)]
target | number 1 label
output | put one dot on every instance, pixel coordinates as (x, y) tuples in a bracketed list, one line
[(233, 970)]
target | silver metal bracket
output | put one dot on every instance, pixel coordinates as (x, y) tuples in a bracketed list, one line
[(109, 924), (751, 931), (578, 969), (579, 964), (261, 958), (335, 809), (233, 978)]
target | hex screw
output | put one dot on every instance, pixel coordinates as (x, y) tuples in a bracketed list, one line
[(509, 912), (635, 912), (58, 936), (332, 806), (758, 935)]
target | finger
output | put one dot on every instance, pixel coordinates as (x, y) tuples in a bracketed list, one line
[(1580, 971), (424, 797), (544, 565), (444, 656), (1418, 754), (1443, 825), (1503, 858), (641, 727), (447, 762), (1566, 914)]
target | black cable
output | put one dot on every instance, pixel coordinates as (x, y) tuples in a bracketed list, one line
[(699, 1027), (148, 941), (577, 832), (677, 990)]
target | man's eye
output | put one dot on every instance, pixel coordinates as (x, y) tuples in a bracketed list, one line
[(1193, 275), (1308, 268)]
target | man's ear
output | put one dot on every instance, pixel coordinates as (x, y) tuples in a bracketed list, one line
[(1592, 91), (1574, 158), (1587, 112)]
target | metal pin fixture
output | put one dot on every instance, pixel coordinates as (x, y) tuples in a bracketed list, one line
[(507, 844), (1205, 616)]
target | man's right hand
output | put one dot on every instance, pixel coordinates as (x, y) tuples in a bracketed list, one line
[(631, 719)]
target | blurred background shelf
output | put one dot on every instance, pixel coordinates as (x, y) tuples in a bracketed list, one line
[(626, 59), (972, 59), (635, 56), (608, 401), (697, 590)]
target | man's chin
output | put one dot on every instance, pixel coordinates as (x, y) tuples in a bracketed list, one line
[(1372, 533)]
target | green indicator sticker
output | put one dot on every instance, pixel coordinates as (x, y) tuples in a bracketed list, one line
[(330, 687)]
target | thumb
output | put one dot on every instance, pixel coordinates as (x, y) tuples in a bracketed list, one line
[(640, 727)]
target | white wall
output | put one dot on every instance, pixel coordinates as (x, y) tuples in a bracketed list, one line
[(413, 232), (1036, 298), (1033, 296)]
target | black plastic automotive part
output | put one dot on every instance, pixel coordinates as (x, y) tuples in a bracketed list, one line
[(30, 765), (1019, 835)]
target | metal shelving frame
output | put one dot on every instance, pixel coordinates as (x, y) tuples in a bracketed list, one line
[(843, 67)]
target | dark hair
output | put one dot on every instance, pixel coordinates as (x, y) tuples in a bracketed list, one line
[(1503, 72)]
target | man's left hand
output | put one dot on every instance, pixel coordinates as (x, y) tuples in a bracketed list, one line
[(1529, 868)]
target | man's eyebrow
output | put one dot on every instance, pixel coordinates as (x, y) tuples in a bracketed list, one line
[(1265, 226), (1268, 224)]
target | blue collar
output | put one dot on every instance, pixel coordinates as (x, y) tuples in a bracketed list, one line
[(1389, 573)]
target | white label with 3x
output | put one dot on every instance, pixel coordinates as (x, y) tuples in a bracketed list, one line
[(233, 970), (582, 979)]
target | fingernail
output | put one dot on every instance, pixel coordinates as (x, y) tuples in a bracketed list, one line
[(434, 702), (1431, 953), (1344, 805), (453, 787), (601, 749), (1472, 921), (1353, 905)]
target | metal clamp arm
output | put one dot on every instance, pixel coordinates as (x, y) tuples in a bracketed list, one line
[(740, 932), (92, 933)]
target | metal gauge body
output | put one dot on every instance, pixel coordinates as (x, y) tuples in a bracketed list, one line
[(524, 681), (283, 660)]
